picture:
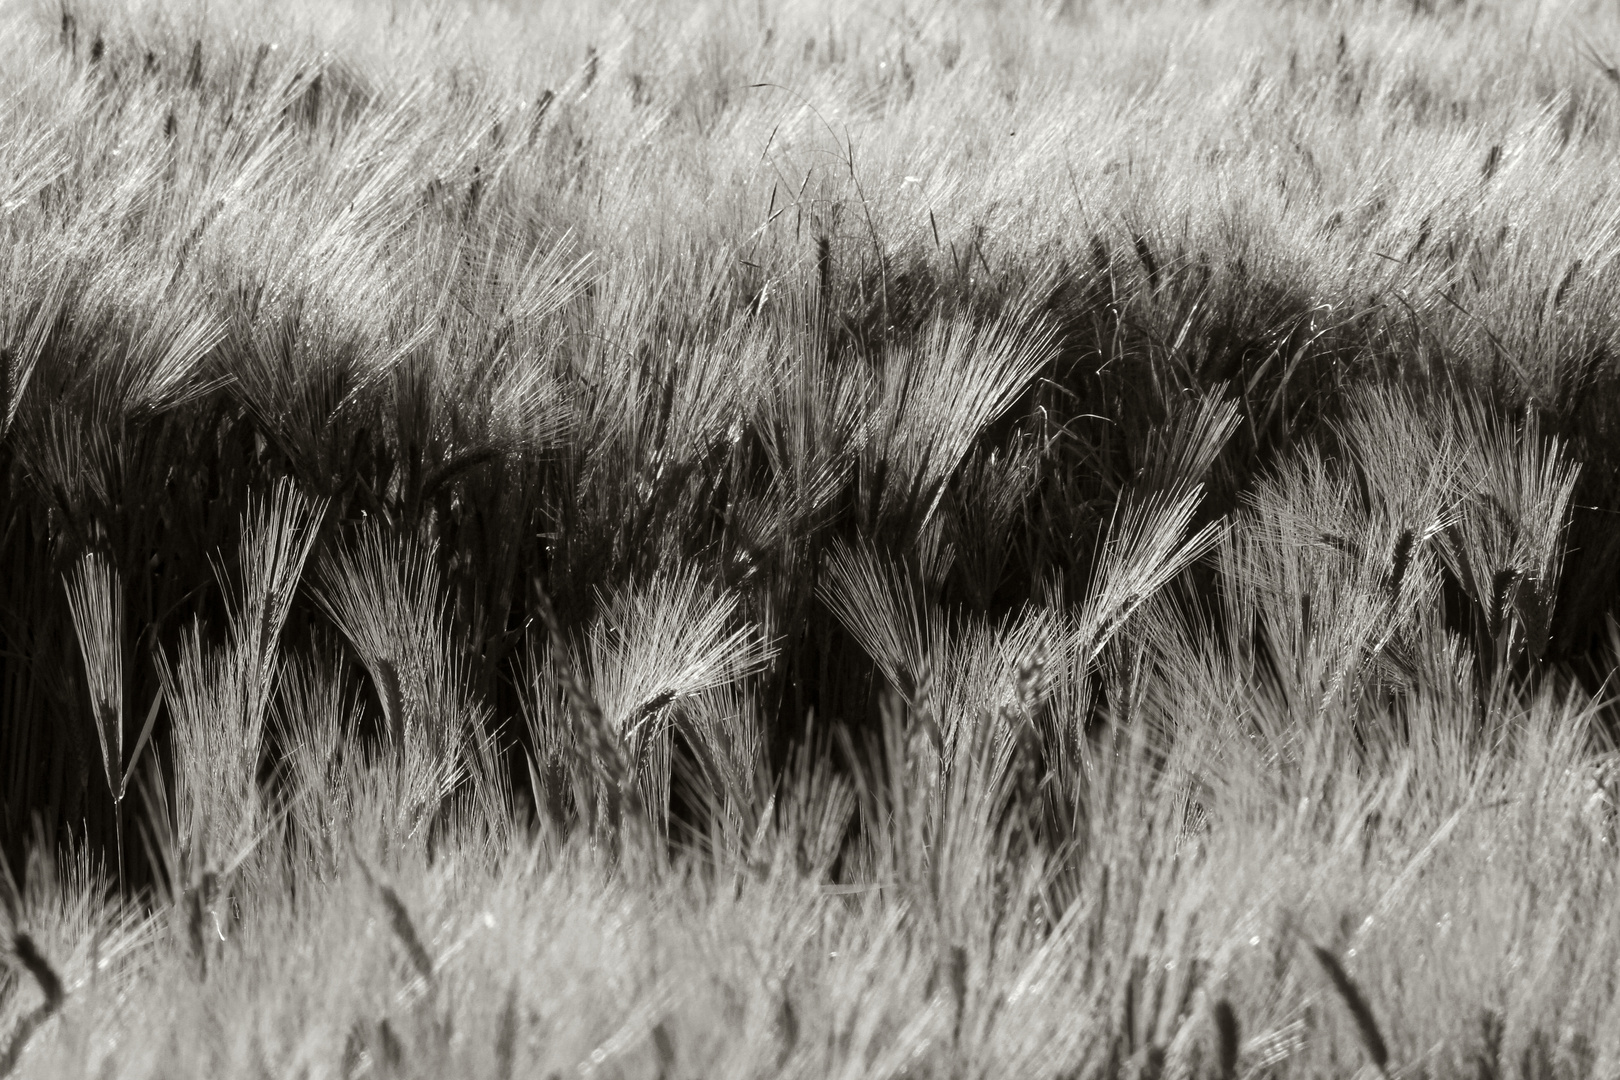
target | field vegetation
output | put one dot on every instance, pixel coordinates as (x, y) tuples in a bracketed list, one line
[(753, 538)]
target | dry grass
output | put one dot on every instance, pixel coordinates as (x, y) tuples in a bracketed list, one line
[(809, 539)]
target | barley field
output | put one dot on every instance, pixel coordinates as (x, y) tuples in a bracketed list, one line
[(1068, 539)]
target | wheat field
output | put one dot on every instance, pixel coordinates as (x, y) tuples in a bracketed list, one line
[(809, 538)]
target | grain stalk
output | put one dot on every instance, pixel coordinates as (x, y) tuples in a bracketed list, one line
[(50, 986), (1366, 1025)]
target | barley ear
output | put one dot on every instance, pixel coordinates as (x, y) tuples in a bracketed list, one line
[(95, 604)]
